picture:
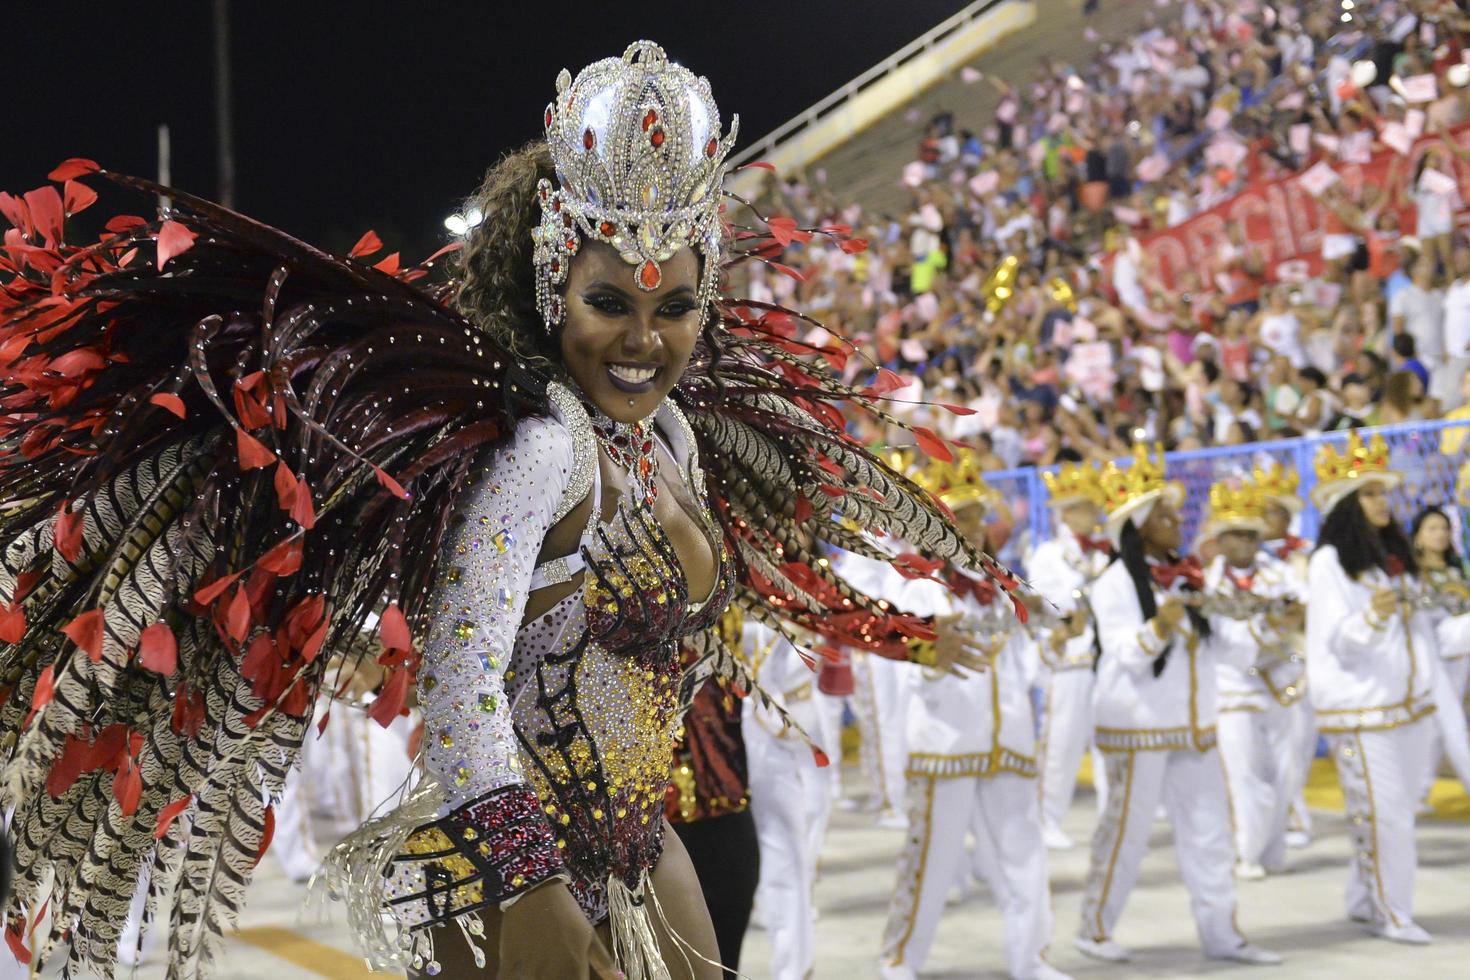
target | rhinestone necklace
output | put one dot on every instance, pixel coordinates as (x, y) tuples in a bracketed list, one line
[(630, 446)]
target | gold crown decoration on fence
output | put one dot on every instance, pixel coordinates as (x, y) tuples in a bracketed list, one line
[(957, 483), (1279, 484), (1074, 483), (1235, 505), (1340, 474), (1132, 492)]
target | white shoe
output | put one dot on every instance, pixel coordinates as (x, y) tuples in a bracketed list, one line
[(896, 973), (893, 820), (1298, 839), (1249, 871), (1247, 953), (1410, 933), (858, 804), (1055, 839), (1103, 949), (1044, 971)]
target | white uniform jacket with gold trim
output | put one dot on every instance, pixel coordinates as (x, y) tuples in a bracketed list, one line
[(1368, 673), (1058, 570), (980, 724), (1257, 665), (1133, 708)]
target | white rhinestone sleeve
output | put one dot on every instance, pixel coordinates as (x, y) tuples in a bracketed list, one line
[(478, 602)]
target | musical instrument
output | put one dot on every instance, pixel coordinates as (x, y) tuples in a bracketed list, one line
[(1433, 591), (1235, 603)]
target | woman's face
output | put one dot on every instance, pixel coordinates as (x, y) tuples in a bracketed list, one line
[(625, 347), (1434, 535), (1161, 532), (1373, 498)]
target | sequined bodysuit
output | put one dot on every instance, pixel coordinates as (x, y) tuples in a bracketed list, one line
[(553, 740)]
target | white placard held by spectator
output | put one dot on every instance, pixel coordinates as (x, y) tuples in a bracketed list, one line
[(1320, 177)]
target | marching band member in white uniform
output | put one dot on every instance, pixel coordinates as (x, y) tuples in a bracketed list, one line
[(971, 754), (1371, 655), (1155, 717), (1261, 675), (1442, 570), (1280, 486), (880, 692), (1061, 571), (790, 796)]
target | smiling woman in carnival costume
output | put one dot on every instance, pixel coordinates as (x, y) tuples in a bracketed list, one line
[(229, 458)]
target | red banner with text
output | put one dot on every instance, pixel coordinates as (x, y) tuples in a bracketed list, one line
[(1285, 221)]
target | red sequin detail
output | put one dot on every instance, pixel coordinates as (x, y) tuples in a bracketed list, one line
[(656, 137), (649, 119), (588, 139), (711, 147)]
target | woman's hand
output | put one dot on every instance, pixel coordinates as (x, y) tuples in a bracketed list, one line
[(1385, 603), (1170, 615), (1292, 620), (545, 936), (955, 649)]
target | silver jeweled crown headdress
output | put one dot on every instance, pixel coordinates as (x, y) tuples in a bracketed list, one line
[(640, 162)]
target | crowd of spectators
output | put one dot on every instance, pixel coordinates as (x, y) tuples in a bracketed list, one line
[(1014, 284)]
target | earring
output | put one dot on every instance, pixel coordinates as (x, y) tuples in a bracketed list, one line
[(630, 403)]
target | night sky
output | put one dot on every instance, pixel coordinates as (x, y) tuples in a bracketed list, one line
[(370, 114)]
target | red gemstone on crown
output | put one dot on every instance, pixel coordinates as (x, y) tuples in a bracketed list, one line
[(607, 228), (571, 244), (556, 205), (649, 119), (711, 147), (649, 275), (548, 116), (588, 139)]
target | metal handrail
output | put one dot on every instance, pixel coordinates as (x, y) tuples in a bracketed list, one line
[(817, 110)]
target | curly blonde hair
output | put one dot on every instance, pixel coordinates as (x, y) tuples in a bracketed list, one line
[(495, 284)]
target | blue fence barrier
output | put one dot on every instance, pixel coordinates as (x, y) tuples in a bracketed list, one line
[(1431, 455)]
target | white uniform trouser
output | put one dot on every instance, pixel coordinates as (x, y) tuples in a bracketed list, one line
[(1261, 754), (1066, 730), (1380, 773), (880, 697), (1297, 754), (1448, 735), (941, 811), (294, 842), (788, 794), (830, 709), (1192, 788)]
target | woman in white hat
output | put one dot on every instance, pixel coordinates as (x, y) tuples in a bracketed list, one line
[(1062, 569), (1155, 721), (1371, 659), (1280, 486)]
